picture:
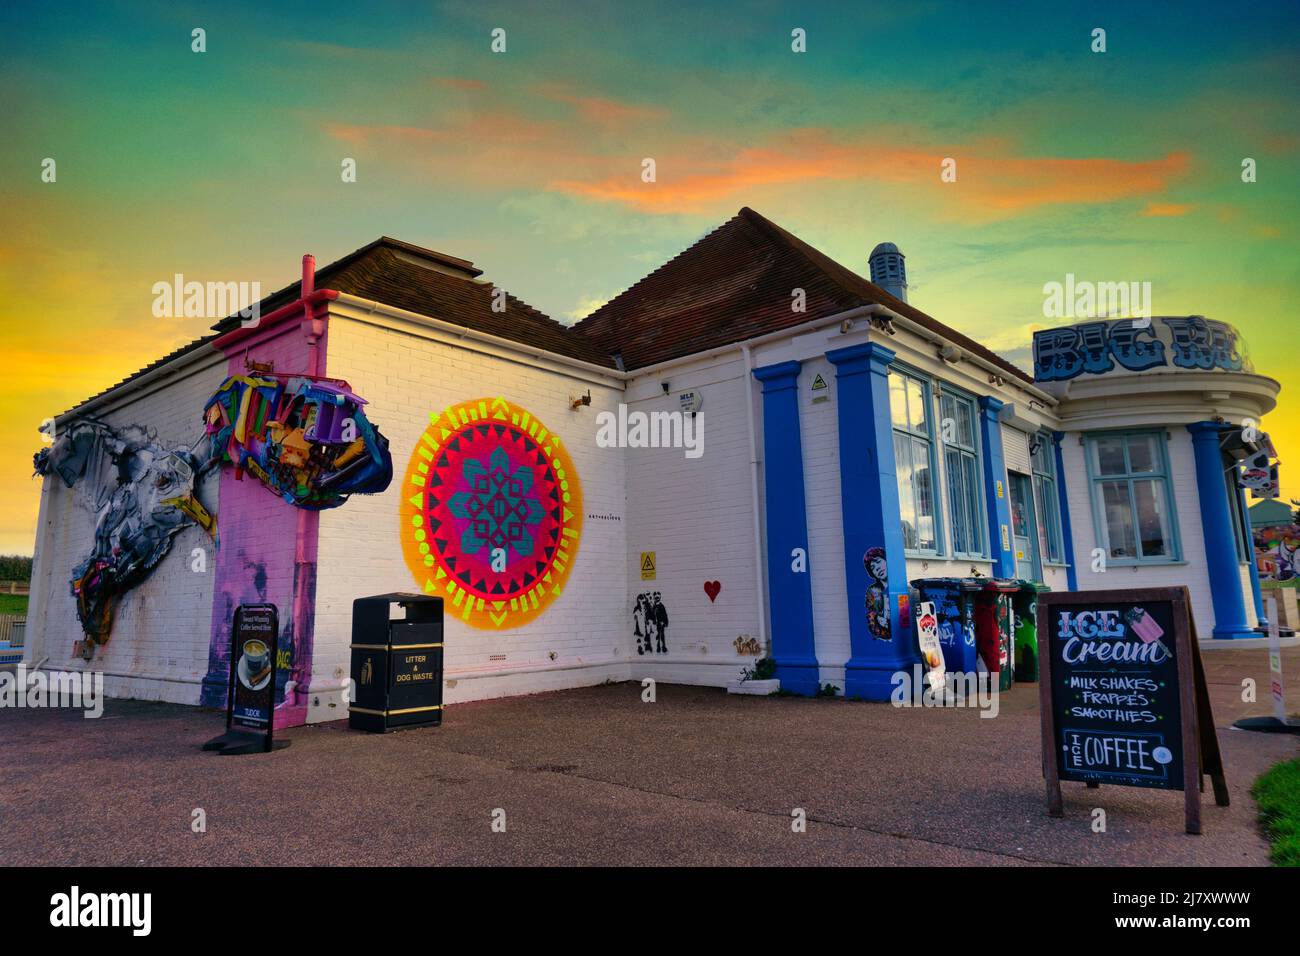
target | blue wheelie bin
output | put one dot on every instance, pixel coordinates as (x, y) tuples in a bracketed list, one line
[(954, 606)]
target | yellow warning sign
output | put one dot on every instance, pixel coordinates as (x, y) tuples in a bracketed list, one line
[(818, 383), (647, 565)]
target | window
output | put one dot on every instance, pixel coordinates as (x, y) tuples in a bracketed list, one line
[(909, 406), (1236, 503), (961, 461), (1047, 498), (1132, 507)]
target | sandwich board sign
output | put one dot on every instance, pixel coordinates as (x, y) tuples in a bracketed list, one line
[(250, 694), (1123, 698)]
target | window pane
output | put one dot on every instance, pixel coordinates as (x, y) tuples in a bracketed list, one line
[(925, 530), (1050, 522), (957, 502), (897, 400), (966, 424), (916, 409), (973, 504), (1118, 510), (1152, 516), (1109, 456), (906, 500), (947, 417), (1143, 455), (1044, 461)]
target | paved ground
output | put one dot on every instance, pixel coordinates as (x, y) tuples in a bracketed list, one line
[(596, 776)]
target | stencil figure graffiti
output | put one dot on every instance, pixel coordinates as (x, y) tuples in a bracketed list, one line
[(878, 594), (650, 624), (306, 439), (143, 495)]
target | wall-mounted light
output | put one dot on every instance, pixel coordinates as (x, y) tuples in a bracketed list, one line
[(581, 400)]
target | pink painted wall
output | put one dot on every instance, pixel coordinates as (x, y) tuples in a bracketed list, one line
[(261, 539)]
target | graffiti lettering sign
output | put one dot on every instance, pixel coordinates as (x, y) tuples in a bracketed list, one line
[(1123, 696), (1135, 345)]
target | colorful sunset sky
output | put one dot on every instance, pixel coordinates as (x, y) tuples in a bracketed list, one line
[(225, 165)]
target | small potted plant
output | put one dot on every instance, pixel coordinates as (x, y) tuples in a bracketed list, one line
[(759, 680)]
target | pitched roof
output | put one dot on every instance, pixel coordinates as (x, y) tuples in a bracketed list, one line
[(442, 287), (736, 284)]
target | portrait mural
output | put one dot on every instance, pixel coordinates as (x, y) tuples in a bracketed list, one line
[(491, 513)]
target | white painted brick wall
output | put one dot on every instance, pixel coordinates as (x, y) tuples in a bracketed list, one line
[(697, 516), (158, 648), (404, 377)]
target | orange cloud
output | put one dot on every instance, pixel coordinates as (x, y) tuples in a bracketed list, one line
[(989, 178), (601, 109), (1167, 209), (463, 83)]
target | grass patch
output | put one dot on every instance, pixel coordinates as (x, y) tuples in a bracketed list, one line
[(1277, 793), (13, 603)]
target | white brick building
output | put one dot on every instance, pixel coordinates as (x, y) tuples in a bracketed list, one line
[(812, 382)]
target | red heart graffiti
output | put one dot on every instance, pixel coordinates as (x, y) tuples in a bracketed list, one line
[(711, 588)]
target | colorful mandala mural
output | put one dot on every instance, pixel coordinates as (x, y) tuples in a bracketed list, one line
[(492, 513)]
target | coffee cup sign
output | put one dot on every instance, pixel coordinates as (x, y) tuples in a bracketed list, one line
[(250, 700), (1123, 697)]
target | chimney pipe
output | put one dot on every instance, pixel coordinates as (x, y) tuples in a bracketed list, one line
[(308, 275)]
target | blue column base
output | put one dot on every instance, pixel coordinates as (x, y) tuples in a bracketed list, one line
[(1234, 633), (799, 676), (871, 680)]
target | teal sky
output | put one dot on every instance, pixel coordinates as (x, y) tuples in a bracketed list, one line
[(1116, 166)]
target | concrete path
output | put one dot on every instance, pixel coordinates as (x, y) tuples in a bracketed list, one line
[(595, 776)]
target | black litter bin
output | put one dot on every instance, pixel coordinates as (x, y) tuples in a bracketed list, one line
[(396, 663)]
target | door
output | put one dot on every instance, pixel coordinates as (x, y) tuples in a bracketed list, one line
[(1024, 532)]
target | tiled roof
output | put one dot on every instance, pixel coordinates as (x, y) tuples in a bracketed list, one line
[(442, 287), (735, 284), (732, 285)]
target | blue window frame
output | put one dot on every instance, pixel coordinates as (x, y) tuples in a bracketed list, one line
[(1132, 500), (959, 433), (911, 414), (1047, 498)]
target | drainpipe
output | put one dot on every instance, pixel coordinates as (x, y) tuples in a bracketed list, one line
[(754, 505), (308, 529)]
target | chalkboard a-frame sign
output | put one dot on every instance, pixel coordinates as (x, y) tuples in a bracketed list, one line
[(1123, 698)]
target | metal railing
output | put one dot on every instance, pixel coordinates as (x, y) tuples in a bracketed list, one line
[(13, 630)]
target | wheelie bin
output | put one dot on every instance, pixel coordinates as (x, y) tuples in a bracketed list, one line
[(954, 606), (1024, 603), (993, 628)]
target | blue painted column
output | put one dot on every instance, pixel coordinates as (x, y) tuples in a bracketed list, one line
[(869, 503), (1216, 522), (1260, 614), (996, 492), (1067, 532), (789, 592)]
